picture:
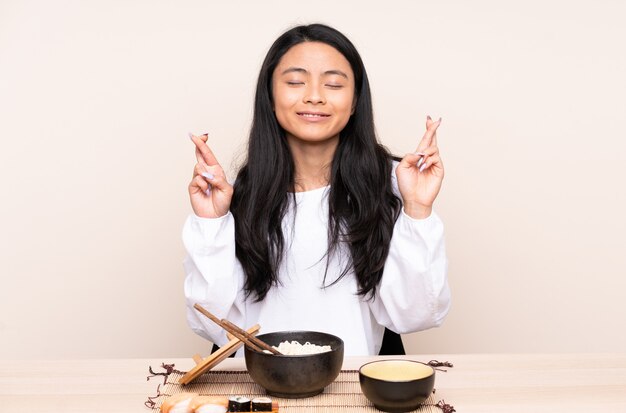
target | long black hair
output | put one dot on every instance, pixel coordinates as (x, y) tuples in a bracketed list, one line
[(362, 205)]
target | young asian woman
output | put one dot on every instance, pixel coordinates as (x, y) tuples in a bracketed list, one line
[(323, 229)]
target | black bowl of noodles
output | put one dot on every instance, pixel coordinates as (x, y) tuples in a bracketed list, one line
[(296, 376)]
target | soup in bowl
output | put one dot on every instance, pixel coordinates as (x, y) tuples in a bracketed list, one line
[(397, 385)]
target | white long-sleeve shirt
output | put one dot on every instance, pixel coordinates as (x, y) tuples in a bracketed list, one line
[(413, 294)]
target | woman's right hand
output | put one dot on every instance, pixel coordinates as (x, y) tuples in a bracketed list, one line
[(209, 192)]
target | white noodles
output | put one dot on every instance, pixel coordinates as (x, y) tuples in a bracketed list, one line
[(294, 348)]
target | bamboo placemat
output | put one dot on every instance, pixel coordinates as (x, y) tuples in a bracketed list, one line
[(341, 396)]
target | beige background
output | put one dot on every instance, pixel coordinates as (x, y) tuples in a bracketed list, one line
[(96, 99)]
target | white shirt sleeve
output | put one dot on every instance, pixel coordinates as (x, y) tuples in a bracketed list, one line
[(413, 294), (214, 277)]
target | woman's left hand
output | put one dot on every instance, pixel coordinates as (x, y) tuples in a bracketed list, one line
[(420, 174)]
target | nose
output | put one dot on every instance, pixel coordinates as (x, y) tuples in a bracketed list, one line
[(314, 94)]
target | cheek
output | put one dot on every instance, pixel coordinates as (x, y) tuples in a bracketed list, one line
[(346, 103), (281, 107), (284, 98)]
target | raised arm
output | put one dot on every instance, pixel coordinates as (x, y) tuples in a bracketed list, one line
[(414, 294), (213, 274)]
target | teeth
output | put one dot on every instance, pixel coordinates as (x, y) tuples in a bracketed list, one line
[(312, 115)]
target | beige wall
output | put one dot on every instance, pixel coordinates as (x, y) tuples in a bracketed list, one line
[(96, 99)]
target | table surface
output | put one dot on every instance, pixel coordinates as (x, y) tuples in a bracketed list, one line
[(477, 382)]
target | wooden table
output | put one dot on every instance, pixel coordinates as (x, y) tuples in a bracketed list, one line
[(477, 383)]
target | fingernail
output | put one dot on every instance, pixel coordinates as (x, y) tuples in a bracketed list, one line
[(208, 191), (422, 167), (420, 153), (190, 135), (420, 162), (429, 118), (439, 120), (208, 175), (205, 134)]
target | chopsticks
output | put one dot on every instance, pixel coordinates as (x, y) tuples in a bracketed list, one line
[(250, 340), (205, 364)]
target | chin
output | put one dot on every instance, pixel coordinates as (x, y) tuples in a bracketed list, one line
[(316, 139)]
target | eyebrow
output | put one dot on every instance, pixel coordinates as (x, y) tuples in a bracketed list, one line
[(326, 73)]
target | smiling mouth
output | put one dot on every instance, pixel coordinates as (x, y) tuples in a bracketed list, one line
[(313, 115)]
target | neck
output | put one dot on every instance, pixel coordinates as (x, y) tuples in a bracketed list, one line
[(312, 161)]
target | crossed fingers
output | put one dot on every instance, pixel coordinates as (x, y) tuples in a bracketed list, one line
[(427, 150), (207, 170)]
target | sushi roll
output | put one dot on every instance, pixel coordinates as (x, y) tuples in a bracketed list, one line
[(261, 404), (208, 404), (239, 404), (177, 403)]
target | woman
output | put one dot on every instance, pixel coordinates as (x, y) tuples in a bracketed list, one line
[(322, 230)]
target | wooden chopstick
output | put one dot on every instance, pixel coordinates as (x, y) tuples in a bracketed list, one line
[(251, 341), (252, 338), (227, 328), (215, 358)]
